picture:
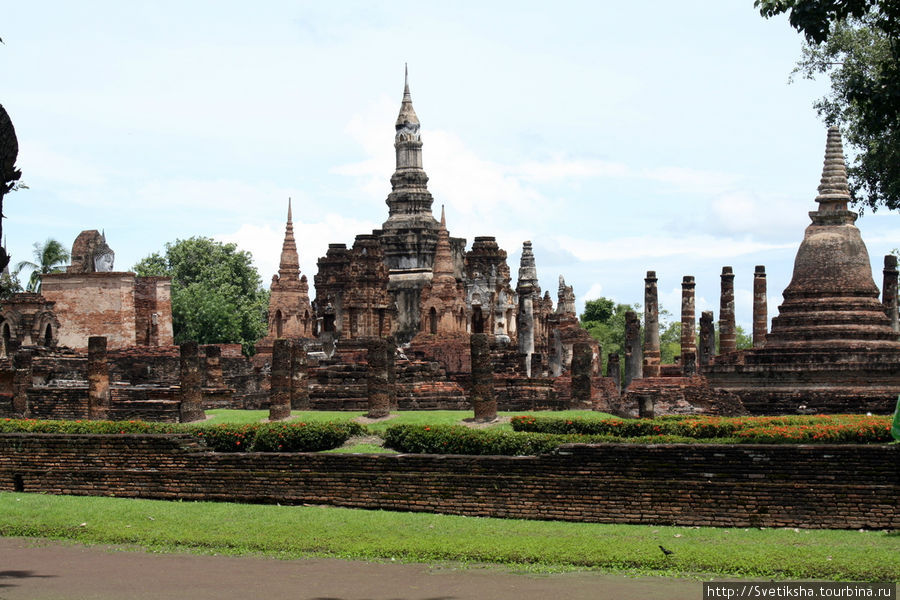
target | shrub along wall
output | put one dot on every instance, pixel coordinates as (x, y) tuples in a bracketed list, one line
[(823, 486)]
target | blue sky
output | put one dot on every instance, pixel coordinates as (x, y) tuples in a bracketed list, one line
[(619, 137)]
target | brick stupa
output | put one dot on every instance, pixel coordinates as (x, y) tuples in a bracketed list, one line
[(290, 313), (831, 348)]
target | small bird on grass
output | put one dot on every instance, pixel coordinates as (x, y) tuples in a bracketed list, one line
[(666, 551)]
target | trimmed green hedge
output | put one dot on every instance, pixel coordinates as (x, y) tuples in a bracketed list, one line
[(101, 427), (457, 439), (290, 436), (846, 429)]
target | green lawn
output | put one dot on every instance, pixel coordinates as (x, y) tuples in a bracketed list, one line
[(292, 532)]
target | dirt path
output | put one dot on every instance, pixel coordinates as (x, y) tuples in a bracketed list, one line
[(44, 570)]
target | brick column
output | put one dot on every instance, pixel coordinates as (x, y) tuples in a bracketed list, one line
[(392, 372), (191, 394), (633, 358), (483, 401), (299, 377), (889, 291), (612, 370), (22, 382), (582, 362), (377, 380), (707, 338), (213, 364), (98, 378), (651, 326), (280, 383), (727, 335), (688, 339), (760, 307)]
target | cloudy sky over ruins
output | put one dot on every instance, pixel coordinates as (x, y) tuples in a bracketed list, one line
[(618, 136)]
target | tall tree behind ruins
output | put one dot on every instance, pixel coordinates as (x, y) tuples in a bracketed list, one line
[(217, 294), (9, 174), (857, 45)]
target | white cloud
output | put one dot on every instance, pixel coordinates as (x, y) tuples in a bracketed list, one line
[(691, 179), (594, 292), (41, 162), (264, 242), (744, 212), (560, 168), (662, 247), (239, 200)]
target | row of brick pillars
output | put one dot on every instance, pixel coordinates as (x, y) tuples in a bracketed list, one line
[(727, 326), (483, 401), (582, 361), (760, 307), (191, 379), (688, 343), (651, 326), (633, 356), (889, 291), (288, 386), (381, 394)]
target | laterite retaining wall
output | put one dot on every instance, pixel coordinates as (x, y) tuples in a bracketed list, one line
[(817, 486)]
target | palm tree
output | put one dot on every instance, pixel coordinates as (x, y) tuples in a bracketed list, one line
[(50, 256)]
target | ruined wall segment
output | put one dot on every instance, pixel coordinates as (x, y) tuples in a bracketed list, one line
[(91, 299)]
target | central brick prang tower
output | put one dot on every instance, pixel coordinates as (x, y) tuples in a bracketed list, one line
[(409, 236)]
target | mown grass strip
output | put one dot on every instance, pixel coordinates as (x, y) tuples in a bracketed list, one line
[(295, 532)]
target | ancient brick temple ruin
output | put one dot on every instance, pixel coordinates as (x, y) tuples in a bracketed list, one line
[(834, 347), (91, 299), (395, 314), (414, 283), (98, 343)]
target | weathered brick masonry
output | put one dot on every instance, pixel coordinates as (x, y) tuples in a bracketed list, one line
[(709, 485)]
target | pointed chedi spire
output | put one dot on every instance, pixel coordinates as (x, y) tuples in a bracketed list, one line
[(832, 300), (527, 269), (289, 265), (407, 117), (409, 195), (443, 259), (834, 193)]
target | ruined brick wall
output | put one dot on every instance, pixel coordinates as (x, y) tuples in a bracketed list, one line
[(153, 311), (67, 403), (826, 486), (93, 304), (141, 365)]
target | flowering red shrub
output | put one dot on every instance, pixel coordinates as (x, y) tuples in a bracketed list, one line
[(848, 429)]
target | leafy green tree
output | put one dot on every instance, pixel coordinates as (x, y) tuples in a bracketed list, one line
[(855, 43), (669, 341), (605, 321), (217, 294), (50, 258), (744, 340), (9, 285), (600, 309)]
